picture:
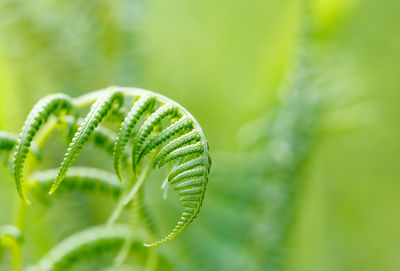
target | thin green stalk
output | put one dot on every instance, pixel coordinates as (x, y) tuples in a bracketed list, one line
[(16, 254), (152, 260), (125, 200)]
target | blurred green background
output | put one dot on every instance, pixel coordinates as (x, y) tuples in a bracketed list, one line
[(229, 64)]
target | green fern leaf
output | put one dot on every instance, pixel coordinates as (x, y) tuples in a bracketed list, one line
[(182, 124), (188, 174), (196, 148), (52, 104), (145, 103), (149, 125), (175, 144), (170, 131), (182, 141), (102, 137), (185, 167), (96, 114)]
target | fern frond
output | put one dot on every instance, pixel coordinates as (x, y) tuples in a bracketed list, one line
[(175, 144), (196, 172), (185, 167), (149, 125), (102, 137), (196, 148), (52, 104), (182, 141), (169, 130), (181, 125), (190, 183), (143, 104), (92, 242), (96, 114), (85, 179)]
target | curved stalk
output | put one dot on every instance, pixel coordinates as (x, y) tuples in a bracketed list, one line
[(125, 200)]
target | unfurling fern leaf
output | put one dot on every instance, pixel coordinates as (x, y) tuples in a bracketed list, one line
[(182, 138), (52, 104), (168, 134), (177, 138)]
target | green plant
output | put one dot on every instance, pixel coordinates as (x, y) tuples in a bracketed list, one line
[(160, 132)]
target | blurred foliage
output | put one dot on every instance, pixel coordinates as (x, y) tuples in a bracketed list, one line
[(301, 113)]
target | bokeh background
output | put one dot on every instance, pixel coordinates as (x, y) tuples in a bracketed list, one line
[(299, 100)]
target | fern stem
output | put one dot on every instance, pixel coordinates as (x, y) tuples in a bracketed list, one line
[(152, 260), (125, 200), (138, 184), (16, 252)]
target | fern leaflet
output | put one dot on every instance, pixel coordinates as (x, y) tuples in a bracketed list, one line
[(97, 112), (52, 104)]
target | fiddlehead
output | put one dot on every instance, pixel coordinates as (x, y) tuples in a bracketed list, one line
[(183, 138), (167, 131), (176, 138)]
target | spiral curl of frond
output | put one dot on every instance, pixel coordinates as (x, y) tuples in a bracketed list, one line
[(168, 132), (181, 140)]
